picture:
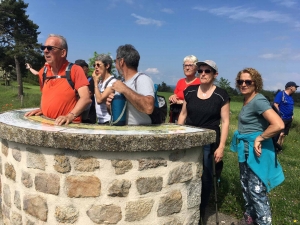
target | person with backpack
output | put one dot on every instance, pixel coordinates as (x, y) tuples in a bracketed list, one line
[(61, 83), (206, 105), (284, 103), (176, 100), (137, 89), (89, 114), (103, 81)]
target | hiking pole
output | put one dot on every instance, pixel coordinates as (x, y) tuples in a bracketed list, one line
[(215, 187)]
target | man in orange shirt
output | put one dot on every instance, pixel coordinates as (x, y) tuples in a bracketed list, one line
[(59, 100)]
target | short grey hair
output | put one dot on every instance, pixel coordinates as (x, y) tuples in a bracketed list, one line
[(106, 60), (63, 41), (191, 58)]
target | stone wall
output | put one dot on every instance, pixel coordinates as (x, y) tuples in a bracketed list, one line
[(59, 186)]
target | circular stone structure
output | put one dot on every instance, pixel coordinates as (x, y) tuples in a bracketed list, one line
[(96, 174)]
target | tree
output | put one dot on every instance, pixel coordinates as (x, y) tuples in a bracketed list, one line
[(92, 62), (164, 88), (18, 37)]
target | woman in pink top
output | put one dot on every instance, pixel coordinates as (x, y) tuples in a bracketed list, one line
[(176, 100)]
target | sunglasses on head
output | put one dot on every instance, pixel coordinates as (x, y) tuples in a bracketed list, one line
[(97, 64), (49, 47), (247, 82), (205, 71)]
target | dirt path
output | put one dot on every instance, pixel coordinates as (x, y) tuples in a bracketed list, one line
[(223, 219)]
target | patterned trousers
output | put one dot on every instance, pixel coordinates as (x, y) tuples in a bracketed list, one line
[(254, 192)]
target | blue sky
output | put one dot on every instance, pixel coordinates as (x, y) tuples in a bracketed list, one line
[(263, 34)]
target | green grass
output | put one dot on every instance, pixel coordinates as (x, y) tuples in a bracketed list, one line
[(285, 201)]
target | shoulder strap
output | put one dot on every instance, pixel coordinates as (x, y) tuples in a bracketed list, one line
[(67, 76), (108, 82), (137, 78)]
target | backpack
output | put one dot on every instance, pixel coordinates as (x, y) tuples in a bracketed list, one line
[(67, 76), (158, 116)]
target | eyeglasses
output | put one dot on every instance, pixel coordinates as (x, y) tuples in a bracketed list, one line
[(49, 47), (205, 71), (247, 82), (97, 64), (116, 59), (187, 65)]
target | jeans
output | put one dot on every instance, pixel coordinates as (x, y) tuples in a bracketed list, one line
[(255, 195)]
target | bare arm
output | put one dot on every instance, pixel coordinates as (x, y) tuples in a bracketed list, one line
[(144, 104), (276, 106), (183, 114), (219, 153), (276, 125)]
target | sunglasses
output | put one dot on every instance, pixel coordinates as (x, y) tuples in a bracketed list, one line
[(97, 64), (49, 47), (205, 71), (247, 82)]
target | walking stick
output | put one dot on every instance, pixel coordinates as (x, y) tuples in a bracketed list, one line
[(215, 187)]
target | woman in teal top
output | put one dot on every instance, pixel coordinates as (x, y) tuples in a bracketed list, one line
[(257, 124)]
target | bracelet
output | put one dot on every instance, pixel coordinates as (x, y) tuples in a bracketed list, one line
[(262, 137), (73, 114)]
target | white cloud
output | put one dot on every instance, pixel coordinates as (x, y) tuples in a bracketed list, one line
[(250, 15), (146, 21), (270, 56), (152, 71), (169, 11), (283, 54), (286, 3)]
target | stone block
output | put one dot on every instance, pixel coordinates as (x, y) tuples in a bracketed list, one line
[(149, 184), (181, 174), (194, 193), (119, 188), (6, 195), (174, 221), (62, 163), (105, 214), (138, 210), (66, 214), (83, 186), (170, 204), (17, 200), (121, 166), (86, 164), (36, 206), (47, 183), (148, 163), (16, 153), (6, 212), (26, 179), (16, 218), (4, 147), (10, 171), (35, 159)]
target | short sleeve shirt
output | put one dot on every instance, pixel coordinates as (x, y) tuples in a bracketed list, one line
[(285, 104), (143, 85), (204, 112), (182, 85), (251, 118)]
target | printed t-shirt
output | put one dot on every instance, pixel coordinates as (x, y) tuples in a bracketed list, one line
[(285, 104)]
